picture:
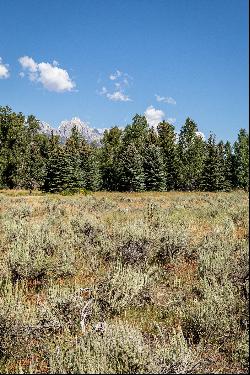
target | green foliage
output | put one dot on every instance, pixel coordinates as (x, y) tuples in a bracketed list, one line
[(131, 169), (213, 176), (21, 160), (121, 349), (167, 140), (123, 288), (154, 170), (63, 172), (229, 166), (136, 158), (191, 153), (241, 151), (12, 151), (111, 145), (137, 132)]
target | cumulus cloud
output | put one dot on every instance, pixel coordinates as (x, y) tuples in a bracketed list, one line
[(118, 96), (165, 99), (4, 70), (28, 63), (154, 116), (49, 75), (116, 90), (54, 78)]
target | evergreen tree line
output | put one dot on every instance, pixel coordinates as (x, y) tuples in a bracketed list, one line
[(138, 158)]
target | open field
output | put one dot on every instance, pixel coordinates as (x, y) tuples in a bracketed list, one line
[(124, 283)]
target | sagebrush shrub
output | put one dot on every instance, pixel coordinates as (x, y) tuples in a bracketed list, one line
[(124, 283)]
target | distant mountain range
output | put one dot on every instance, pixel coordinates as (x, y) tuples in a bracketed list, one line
[(65, 128), (90, 134)]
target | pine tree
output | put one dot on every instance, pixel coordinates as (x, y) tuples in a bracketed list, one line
[(241, 151), (13, 145), (151, 138), (63, 170), (191, 152), (155, 178), (86, 160), (92, 170), (136, 133), (131, 169), (228, 166), (73, 143), (73, 148), (32, 169), (133, 148), (224, 185), (62, 173), (167, 141), (109, 158), (213, 178)]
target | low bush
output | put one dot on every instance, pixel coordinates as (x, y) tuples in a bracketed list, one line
[(106, 283)]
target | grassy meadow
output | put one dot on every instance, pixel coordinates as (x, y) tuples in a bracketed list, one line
[(124, 283)]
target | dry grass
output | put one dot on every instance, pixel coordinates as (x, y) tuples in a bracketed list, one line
[(162, 278)]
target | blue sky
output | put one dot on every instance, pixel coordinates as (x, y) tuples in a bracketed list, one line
[(105, 61)]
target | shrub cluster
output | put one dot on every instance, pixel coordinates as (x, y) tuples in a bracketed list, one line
[(116, 284)]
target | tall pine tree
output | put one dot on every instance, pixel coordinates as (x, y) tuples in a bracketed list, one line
[(131, 169), (228, 166), (13, 146), (33, 166), (167, 141), (191, 153), (241, 151), (136, 133), (213, 178), (109, 158), (154, 170)]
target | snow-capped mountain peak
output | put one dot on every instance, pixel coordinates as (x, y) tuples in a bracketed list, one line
[(65, 128), (46, 128)]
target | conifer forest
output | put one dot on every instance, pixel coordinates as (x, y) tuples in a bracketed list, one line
[(138, 158)]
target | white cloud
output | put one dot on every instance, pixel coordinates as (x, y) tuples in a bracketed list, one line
[(54, 78), (165, 99), (28, 63), (4, 70), (118, 96), (115, 75), (117, 89), (49, 75), (154, 116)]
